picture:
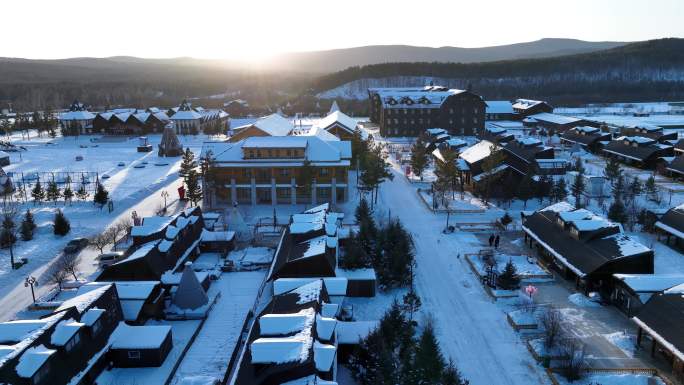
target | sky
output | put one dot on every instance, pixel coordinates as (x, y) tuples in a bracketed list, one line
[(251, 30)]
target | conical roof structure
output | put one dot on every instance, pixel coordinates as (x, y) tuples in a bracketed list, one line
[(190, 293), (237, 223), (170, 145), (334, 107)]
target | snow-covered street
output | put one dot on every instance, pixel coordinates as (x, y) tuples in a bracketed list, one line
[(472, 329)]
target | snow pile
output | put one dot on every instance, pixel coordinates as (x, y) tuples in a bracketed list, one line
[(309, 380), (580, 300), (615, 379), (32, 360), (623, 341)]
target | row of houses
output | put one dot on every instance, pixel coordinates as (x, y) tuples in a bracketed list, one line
[(300, 334), (185, 119), (105, 325)]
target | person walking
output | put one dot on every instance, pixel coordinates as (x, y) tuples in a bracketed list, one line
[(491, 240), (496, 242)]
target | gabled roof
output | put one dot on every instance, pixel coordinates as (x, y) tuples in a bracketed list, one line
[(661, 317), (673, 221), (337, 118), (499, 107), (273, 125), (554, 118), (477, 152), (646, 148)]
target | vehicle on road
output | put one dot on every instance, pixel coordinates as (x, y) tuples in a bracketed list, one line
[(108, 259), (75, 245)]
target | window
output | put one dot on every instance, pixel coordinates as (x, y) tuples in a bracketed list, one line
[(97, 326), (134, 354), (324, 171), (73, 342), (41, 373), (284, 172)]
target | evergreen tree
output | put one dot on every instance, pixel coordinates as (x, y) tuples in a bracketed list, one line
[(419, 156), (355, 255), (394, 261), (37, 192), (612, 170), (375, 170), (506, 220), (560, 190), (579, 165), (617, 212), (452, 376), (28, 225), (429, 363), (360, 148), (67, 193), (52, 192), (446, 170), (194, 191), (411, 303), (525, 189), (101, 195), (577, 188), (61, 225), (81, 193), (542, 188), (635, 188), (509, 278), (618, 188), (368, 231), (651, 189), (187, 163), (8, 235)]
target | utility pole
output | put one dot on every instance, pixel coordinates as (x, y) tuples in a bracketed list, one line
[(31, 281)]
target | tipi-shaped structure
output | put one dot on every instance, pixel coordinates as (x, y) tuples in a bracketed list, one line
[(170, 145), (237, 223), (334, 107), (190, 294)]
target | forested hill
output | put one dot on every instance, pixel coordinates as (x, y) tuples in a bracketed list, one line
[(637, 71)]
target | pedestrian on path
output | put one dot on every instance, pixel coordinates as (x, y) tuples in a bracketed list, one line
[(496, 242), (491, 240)]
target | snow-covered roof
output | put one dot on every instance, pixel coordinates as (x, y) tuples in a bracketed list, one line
[(436, 131), (140, 252), (316, 246), (324, 355), (32, 360), (559, 207), (91, 316), (131, 309), (64, 331), (15, 336), (277, 350), (83, 301), (76, 115), (650, 282), (318, 151), (554, 118), (477, 152), (284, 324), (309, 292), (309, 380), (335, 286), (415, 98), (139, 337), (216, 236), (274, 125), (524, 104), (628, 245), (186, 115), (151, 225), (586, 129), (499, 107), (339, 118), (125, 289)]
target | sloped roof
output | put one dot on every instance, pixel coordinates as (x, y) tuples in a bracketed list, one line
[(661, 317), (477, 152), (339, 118), (273, 125), (499, 107), (554, 118)]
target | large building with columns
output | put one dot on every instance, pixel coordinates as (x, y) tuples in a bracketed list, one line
[(279, 170)]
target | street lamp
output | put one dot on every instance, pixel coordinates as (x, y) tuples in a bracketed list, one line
[(31, 281), (165, 194)]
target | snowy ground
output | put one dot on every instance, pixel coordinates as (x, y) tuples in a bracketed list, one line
[(613, 379), (210, 353), (130, 188)]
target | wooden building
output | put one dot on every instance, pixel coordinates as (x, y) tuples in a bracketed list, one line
[(499, 110), (280, 170), (237, 108), (495, 134), (529, 156), (271, 125), (553, 123), (140, 346), (527, 107), (670, 226), (188, 120), (77, 119), (650, 131), (632, 291), (585, 247), (638, 151), (591, 139), (409, 112), (338, 124)]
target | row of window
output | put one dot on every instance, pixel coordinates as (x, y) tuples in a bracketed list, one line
[(283, 172), (426, 121), (425, 111), (275, 153)]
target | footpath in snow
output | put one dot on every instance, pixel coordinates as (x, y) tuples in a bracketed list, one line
[(208, 357)]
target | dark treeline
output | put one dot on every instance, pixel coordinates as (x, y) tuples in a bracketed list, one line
[(651, 70)]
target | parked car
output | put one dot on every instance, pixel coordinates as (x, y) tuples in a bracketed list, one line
[(121, 164), (108, 259), (75, 245)]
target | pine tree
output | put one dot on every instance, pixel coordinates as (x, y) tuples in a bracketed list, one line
[(525, 189), (375, 170), (37, 192), (28, 225), (187, 163), (411, 303), (618, 188), (617, 212), (560, 190), (52, 192), (579, 165), (577, 189), (368, 231), (452, 376), (509, 278), (61, 224), (194, 191), (612, 170), (67, 194), (81, 193), (542, 188), (101, 195), (635, 188), (419, 156), (395, 258), (505, 220), (446, 169), (8, 235), (651, 189), (355, 255), (429, 362)]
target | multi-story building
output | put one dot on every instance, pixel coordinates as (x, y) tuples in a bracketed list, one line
[(279, 169), (410, 111)]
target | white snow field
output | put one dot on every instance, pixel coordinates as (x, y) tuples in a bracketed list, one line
[(208, 357), (471, 328), (130, 189)]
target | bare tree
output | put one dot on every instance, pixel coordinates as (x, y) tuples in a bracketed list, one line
[(120, 230), (100, 241), (70, 264), (551, 321), (57, 274), (572, 362)]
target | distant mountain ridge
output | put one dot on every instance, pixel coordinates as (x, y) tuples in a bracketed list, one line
[(339, 59)]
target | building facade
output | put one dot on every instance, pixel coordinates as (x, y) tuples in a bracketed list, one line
[(409, 112)]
